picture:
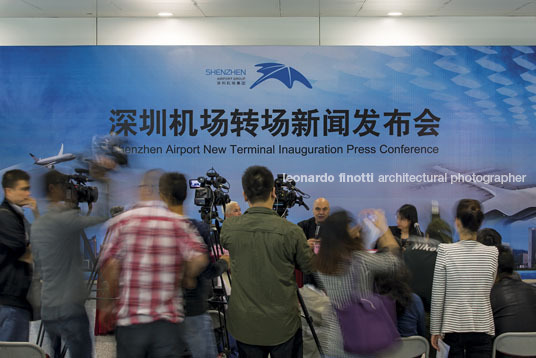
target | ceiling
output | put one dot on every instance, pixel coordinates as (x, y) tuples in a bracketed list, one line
[(263, 8)]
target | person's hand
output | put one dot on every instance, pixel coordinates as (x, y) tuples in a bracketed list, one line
[(379, 220), (435, 341), (226, 258), (31, 203), (27, 256), (107, 317), (311, 242)]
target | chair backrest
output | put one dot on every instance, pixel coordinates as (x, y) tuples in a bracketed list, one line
[(20, 350), (413, 346), (521, 344)]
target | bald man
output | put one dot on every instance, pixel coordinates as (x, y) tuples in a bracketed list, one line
[(311, 227), (232, 209)]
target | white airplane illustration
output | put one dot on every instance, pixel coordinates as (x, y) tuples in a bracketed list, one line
[(50, 161), (511, 204)]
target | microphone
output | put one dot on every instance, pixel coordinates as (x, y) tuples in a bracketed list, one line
[(317, 231), (418, 229)]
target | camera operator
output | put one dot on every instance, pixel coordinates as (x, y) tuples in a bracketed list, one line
[(56, 250), (197, 326), (263, 308), (232, 209)]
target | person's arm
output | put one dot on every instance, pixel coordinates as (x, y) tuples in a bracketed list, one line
[(387, 240), (193, 268), (439, 289), (110, 275), (304, 254), (11, 234)]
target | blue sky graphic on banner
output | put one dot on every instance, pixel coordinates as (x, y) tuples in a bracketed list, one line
[(362, 126)]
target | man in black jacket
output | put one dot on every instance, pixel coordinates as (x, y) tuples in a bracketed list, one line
[(512, 300), (311, 227), (15, 257)]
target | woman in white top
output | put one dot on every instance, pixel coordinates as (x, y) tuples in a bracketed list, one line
[(463, 276)]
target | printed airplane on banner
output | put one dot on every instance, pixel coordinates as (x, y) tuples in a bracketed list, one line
[(513, 204), (49, 162)]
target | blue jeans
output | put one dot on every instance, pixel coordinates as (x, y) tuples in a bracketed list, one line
[(74, 331), (198, 334), (14, 324)]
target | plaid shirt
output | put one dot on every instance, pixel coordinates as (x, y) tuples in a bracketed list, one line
[(151, 244)]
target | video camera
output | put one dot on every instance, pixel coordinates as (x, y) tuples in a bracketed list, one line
[(287, 195), (76, 190), (204, 195)]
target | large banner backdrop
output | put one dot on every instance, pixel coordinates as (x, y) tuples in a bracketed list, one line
[(362, 126)]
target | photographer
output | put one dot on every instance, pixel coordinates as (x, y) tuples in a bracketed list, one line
[(197, 325), (56, 250), (263, 308)]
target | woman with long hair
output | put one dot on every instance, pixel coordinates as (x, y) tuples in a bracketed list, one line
[(463, 277), (346, 271), (407, 224)]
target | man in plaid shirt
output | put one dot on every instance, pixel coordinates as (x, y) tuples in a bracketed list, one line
[(151, 253)]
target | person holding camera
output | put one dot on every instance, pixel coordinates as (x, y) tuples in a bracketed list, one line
[(263, 308), (15, 257), (56, 250)]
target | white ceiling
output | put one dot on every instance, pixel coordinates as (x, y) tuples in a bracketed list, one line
[(263, 8)]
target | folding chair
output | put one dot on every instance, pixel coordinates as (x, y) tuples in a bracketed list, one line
[(522, 344), (414, 346), (20, 350)]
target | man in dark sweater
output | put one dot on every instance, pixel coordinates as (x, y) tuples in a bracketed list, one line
[(197, 326), (311, 227), (15, 257)]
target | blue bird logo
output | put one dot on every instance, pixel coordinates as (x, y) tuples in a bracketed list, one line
[(280, 72)]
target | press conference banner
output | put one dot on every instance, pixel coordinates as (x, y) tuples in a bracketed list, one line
[(362, 126)]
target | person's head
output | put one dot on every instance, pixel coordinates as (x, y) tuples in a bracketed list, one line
[(55, 185), (406, 217), (505, 261), (489, 237), (16, 185), (148, 188), (232, 209), (439, 230), (469, 215), (172, 188), (336, 243), (396, 286), (320, 210), (258, 184)]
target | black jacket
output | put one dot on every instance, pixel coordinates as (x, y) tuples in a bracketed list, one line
[(195, 300), (15, 275), (514, 306)]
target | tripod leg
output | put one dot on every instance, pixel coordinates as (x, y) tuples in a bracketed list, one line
[(310, 323)]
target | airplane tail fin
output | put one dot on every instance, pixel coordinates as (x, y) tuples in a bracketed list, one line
[(61, 150), (34, 157)]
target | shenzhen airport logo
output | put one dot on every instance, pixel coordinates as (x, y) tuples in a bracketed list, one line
[(280, 72)]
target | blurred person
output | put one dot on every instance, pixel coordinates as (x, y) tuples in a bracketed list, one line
[(512, 300), (263, 312), (489, 237), (15, 257), (463, 277), (311, 226), (407, 224), (420, 258), (232, 209), (346, 271), (56, 249), (410, 315), (151, 252), (197, 326)]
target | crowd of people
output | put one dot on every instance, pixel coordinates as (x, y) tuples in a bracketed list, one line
[(158, 270)]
